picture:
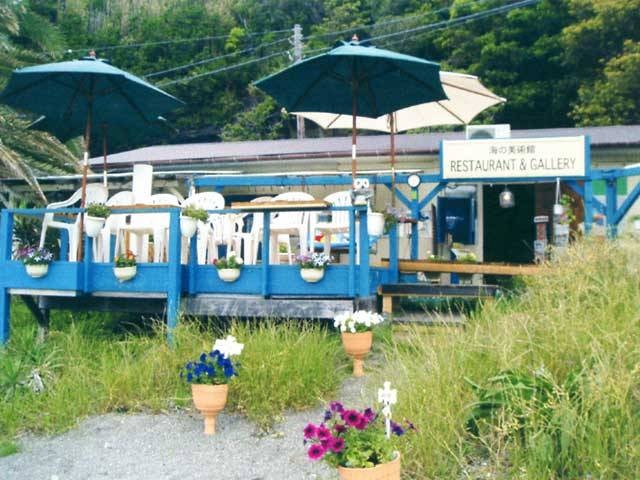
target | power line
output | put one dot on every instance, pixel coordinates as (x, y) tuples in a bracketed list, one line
[(213, 59), (459, 20), (223, 69), (434, 26), (171, 41)]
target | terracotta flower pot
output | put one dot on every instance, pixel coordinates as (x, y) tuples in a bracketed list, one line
[(384, 471), (209, 400), (228, 274), (37, 271), (312, 275), (357, 346)]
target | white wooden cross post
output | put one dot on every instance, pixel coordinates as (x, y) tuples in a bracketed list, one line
[(387, 396)]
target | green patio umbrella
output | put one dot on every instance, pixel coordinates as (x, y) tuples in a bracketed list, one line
[(355, 79), (81, 94)]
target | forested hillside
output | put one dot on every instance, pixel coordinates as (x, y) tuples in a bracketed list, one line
[(558, 62)]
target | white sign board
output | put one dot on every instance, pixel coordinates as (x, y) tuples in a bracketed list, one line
[(515, 158)]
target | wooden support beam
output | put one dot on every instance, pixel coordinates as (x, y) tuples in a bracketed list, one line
[(412, 266)]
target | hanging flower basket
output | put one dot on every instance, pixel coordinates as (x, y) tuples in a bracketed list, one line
[(375, 224), (312, 275), (188, 226), (228, 274), (93, 225), (37, 271)]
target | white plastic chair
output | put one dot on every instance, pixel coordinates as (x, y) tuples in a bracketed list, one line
[(339, 222), (114, 221), (144, 224), (211, 233), (284, 224), (250, 241), (95, 193)]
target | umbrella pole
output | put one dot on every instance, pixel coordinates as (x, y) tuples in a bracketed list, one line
[(85, 168), (354, 112), (104, 154), (393, 158)]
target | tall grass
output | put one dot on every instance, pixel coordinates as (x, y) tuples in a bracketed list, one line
[(578, 327), (87, 369)]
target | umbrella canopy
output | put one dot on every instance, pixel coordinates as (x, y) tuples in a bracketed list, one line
[(81, 94), (467, 97), (355, 79)]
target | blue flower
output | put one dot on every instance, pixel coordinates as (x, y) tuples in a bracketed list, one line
[(203, 357), (228, 370), (189, 377)]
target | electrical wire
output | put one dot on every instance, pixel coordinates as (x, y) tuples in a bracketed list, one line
[(213, 59), (170, 41)]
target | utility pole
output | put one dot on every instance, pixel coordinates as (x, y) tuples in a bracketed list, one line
[(297, 57)]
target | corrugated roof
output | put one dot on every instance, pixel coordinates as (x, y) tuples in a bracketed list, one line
[(335, 147)]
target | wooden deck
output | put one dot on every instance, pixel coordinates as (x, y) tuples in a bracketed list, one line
[(412, 266)]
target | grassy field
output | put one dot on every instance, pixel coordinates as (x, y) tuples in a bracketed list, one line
[(92, 364), (542, 386)]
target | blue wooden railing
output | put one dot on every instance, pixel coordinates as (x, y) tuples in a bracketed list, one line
[(172, 280)]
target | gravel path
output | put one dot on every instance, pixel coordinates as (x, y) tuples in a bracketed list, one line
[(172, 446)]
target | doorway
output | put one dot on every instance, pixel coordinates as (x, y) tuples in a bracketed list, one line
[(509, 232)]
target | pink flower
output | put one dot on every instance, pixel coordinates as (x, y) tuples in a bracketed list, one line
[(351, 417), (323, 433), (310, 431), (339, 428), (362, 423), (336, 444), (316, 452)]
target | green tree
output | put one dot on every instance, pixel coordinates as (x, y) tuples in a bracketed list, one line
[(25, 38)]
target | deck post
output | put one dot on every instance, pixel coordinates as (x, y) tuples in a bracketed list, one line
[(193, 263), (175, 274), (6, 238), (393, 254), (363, 287), (588, 206), (352, 252), (415, 215), (64, 245), (266, 234), (612, 205)]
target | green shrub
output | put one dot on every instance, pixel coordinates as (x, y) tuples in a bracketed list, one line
[(195, 212), (98, 210)]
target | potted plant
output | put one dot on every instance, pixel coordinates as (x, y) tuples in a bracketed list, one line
[(468, 257), (375, 224), (125, 267), (357, 442), (357, 335), (312, 266), (434, 277), (94, 218), (209, 376), (189, 220), (228, 268), (36, 260)]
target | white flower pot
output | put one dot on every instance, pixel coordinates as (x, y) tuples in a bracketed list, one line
[(125, 273), (93, 225), (558, 209), (37, 271), (228, 274), (375, 224), (188, 226), (312, 275)]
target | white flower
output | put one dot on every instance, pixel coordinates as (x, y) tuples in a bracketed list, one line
[(350, 321), (239, 261), (228, 347)]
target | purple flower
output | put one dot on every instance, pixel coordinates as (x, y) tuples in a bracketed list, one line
[(369, 414), (339, 428), (316, 452), (336, 445), (323, 433), (397, 429), (310, 431), (351, 417), (336, 407), (327, 415)]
